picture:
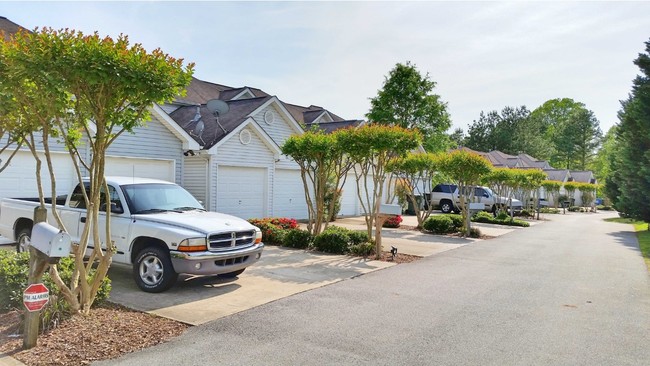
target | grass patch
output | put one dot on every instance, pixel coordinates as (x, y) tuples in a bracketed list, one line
[(642, 234)]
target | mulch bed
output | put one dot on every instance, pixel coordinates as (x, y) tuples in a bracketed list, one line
[(399, 258), (109, 332)]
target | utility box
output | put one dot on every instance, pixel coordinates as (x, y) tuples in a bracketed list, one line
[(386, 209), (50, 241)]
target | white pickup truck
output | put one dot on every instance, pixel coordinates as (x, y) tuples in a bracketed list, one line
[(158, 227)]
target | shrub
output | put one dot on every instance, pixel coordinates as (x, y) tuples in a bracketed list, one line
[(332, 241), (576, 209), (393, 221), (483, 216), (439, 224), (502, 215), (363, 249), (527, 213), (512, 222), (604, 208), (14, 270), (549, 210), (457, 220), (296, 238), (339, 240), (274, 229), (474, 232)]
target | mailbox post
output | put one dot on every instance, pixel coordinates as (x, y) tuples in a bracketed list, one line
[(48, 245), (386, 211)]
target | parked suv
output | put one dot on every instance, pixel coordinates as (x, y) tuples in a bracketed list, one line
[(446, 197)]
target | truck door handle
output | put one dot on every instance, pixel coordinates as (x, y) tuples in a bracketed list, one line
[(83, 219)]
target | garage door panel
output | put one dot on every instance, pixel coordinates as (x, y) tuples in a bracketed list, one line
[(142, 168), (349, 199), (289, 195), (19, 178), (241, 191)]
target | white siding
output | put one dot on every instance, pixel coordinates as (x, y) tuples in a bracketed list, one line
[(154, 141), (195, 180), (279, 130), (289, 195)]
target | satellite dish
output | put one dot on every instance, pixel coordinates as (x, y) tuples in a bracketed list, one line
[(218, 107)]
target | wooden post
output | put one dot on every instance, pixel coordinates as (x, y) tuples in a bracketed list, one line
[(38, 263)]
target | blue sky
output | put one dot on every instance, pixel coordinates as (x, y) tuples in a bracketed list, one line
[(483, 55)]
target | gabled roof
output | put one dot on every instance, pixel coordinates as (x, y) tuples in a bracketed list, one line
[(8, 28), (329, 127), (533, 162), (583, 176), (559, 175), (307, 115), (199, 92), (212, 132)]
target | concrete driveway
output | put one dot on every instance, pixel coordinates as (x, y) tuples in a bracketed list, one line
[(573, 291)]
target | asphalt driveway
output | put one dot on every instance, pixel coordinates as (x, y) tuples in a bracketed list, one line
[(573, 291)]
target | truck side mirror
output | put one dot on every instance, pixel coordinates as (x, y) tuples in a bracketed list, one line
[(51, 241)]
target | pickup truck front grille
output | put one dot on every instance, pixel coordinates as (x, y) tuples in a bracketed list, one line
[(231, 240)]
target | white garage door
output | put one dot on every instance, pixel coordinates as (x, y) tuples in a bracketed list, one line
[(289, 195), (241, 191), (19, 178), (349, 200), (142, 168)]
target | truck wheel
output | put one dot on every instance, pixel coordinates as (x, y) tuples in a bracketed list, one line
[(153, 270), (232, 274), (446, 206), (23, 239)]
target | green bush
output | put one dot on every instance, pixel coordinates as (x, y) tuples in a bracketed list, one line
[(512, 222), (474, 232), (457, 220), (14, 270), (483, 216), (526, 213), (363, 249), (296, 238), (549, 210), (332, 241), (604, 208), (502, 215), (439, 224), (339, 240), (576, 209)]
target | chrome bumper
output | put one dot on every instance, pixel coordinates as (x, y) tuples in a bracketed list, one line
[(211, 263)]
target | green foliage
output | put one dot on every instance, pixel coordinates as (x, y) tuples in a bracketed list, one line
[(511, 131), (14, 270), (457, 220), (548, 210), (440, 224), (629, 187), (502, 215), (473, 232), (323, 164), (407, 100), (296, 238), (416, 172), (576, 209), (604, 208), (483, 216), (363, 249), (274, 229), (552, 188), (338, 240)]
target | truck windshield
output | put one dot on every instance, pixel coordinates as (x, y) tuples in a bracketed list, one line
[(155, 197)]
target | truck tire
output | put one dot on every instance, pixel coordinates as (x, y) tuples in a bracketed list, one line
[(446, 206), (153, 270), (23, 239), (232, 274)]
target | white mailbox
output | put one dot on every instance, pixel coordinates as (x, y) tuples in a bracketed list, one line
[(51, 241), (386, 209)]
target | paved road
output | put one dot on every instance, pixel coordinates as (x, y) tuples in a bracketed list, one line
[(574, 291)]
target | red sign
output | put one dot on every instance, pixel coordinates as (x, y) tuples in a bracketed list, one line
[(36, 296)]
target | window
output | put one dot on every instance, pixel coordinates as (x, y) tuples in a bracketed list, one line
[(77, 198), (445, 188)]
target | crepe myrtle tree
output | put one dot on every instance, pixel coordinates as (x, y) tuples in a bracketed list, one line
[(552, 189), (570, 189), (372, 148), (531, 182), (415, 172), (500, 181), (466, 169), (101, 88), (323, 166), (587, 193)]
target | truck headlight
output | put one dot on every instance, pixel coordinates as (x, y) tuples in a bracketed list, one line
[(258, 236), (193, 245)]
